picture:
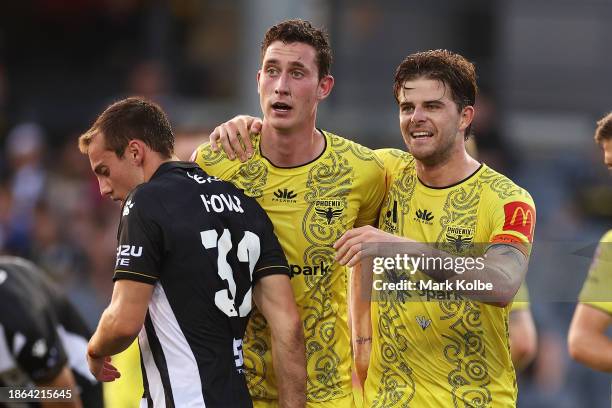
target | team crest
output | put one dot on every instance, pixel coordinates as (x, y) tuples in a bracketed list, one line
[(460, 238), (328, 211), (423, 322)]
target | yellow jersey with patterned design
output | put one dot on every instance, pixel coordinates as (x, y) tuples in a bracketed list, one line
[(521, 299), (311, 206), (438, 348), (596, 289)]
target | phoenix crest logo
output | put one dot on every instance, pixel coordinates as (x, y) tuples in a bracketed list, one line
[(423, 322)]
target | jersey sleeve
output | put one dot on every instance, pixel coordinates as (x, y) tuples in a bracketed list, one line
[(512, 218), (214, 163), (596, 289), (521, 299), (272, 260), (391, 160), (140, 241), (372, 191)]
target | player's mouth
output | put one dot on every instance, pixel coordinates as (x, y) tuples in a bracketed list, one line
[(281, 107), (421, 134)]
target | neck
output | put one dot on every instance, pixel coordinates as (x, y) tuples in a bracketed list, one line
[(451, 171), (150, 166), (291, 148)]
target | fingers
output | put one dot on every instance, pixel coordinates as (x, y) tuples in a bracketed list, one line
[(231, 136), (212, 139), (346, 236), (256, 126), (109, 372), (352, 255), (224, 141), (234, 138), (350, 245), (243, 132)]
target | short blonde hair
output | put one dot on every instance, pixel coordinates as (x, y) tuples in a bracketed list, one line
[(85, 140)]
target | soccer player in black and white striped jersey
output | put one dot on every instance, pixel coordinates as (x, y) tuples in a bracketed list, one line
[(193, 254)]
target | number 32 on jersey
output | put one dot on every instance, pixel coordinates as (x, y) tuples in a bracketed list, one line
[(248, 250)]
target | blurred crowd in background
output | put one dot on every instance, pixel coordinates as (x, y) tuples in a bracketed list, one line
[(542, 72)]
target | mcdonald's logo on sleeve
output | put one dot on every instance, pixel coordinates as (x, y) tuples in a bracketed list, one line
[(520, 217)]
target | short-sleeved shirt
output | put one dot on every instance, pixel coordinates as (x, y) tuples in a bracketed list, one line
[(311, 206), (436, 347), (40, 332), (521, 299), (203, 244), (596, 289)]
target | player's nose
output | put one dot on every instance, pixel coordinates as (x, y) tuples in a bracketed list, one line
[(105, 188), (418, 115), (281, 87)]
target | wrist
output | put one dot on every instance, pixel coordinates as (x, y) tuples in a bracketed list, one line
[(91, 353)]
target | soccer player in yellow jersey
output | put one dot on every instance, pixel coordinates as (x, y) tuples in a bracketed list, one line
[(443, 348), (587, 339), (314, 185)]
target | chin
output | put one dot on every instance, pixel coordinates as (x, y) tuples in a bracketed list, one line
[(428, 158), (283, 124)]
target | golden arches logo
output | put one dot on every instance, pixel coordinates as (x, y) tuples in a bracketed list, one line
[(525, 216), (520, 217)]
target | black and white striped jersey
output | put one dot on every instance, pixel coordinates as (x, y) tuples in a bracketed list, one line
[(40, 332), (203, 244)]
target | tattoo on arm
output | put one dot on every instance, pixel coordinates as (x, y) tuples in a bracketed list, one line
[(508, 250), (363, 340)]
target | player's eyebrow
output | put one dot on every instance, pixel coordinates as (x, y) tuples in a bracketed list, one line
[(273, 61)]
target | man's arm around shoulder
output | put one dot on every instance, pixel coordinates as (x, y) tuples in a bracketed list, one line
[(274, 298)]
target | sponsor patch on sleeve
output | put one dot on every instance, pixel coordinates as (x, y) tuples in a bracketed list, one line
[(520, 217)]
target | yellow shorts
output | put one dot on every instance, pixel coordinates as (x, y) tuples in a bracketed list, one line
[(344, 402)]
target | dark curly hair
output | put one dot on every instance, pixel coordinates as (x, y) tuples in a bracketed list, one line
[(301, 31), (456, 72), (604, 128)]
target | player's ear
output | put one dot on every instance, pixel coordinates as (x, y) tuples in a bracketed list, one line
[(325, 86), (467, 116), (258, 77), (135, 151)]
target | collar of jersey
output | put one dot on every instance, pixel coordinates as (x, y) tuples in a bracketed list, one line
[(295, 169), (444, 190), (171, 165)]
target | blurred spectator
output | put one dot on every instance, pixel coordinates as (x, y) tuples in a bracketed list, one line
[(24, 147)]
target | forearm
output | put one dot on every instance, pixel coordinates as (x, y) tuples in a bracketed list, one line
[(111, 337), (493, 278), (592, 349), (523, 338), (289, 359), (361, 322)]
